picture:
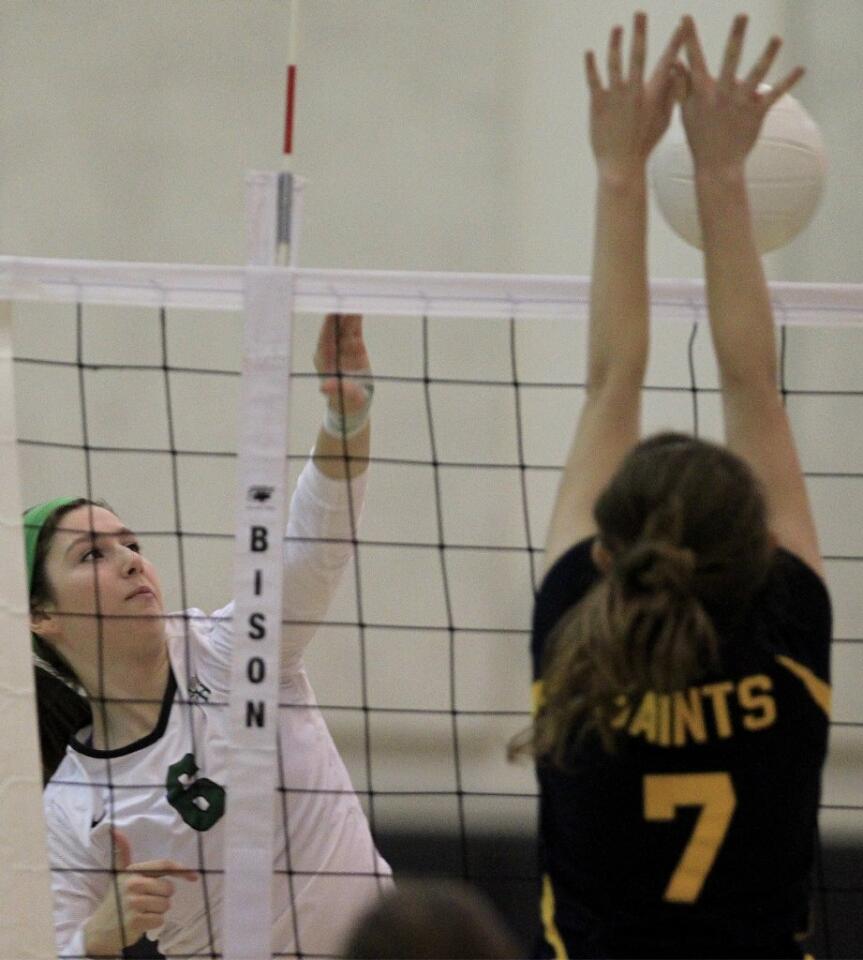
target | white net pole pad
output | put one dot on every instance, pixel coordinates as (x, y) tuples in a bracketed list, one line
[(25, 890), (258, 564), (254, 699)]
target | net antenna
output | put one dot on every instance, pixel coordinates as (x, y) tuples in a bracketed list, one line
[(287, 243)]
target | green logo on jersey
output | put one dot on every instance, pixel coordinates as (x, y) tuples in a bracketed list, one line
[(201, 802)]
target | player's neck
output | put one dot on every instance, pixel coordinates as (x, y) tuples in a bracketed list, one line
[(131, 706)]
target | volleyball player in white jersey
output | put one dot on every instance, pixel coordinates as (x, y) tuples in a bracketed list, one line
[(140, 788)]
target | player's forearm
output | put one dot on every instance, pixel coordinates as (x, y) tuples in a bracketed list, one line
[(619, 296), (337, 458), (741, 319), (322, 530)]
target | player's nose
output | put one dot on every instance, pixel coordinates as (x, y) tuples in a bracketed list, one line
[(131, 560)]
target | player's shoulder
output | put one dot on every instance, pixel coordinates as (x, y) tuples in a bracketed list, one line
[(794, 591), (203, 636), (196, 622), (794, 612), (69, 772), (564, 584), (67, 801), (199, 646), (571, 574)]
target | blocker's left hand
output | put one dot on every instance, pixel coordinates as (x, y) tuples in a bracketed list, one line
[(723, 115), (630, 113), (341, 349)]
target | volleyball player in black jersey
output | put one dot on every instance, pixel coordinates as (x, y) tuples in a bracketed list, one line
[(681, 632)]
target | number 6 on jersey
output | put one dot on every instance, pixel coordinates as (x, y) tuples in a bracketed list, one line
[(714, 792)]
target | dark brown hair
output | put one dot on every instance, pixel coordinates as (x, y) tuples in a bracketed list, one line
[(62, 708), (684, 523)]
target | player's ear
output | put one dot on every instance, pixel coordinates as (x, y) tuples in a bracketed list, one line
[(45, 624), (601, 556)]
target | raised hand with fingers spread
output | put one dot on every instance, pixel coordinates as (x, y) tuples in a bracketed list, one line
[(629, 115), (722, 115)]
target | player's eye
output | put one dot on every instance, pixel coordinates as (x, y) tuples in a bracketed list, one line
[(94, 553)]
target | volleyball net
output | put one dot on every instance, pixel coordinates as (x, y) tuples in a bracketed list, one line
[(127, 380)]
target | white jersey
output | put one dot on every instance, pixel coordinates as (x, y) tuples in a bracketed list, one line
[(165, 792)]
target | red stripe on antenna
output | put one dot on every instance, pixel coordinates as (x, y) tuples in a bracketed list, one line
[(289, 109)]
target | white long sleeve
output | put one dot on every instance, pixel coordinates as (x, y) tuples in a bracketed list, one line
[(322, 523), (319, 542), (78, 881)]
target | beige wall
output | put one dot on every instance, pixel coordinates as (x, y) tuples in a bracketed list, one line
[(435, 134)]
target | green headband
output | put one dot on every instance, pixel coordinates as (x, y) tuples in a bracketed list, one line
[(34, 520)]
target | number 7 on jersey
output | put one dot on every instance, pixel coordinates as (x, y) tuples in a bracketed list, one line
[(714, 793)]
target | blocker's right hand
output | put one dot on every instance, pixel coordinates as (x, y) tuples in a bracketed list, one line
[(136, 902)]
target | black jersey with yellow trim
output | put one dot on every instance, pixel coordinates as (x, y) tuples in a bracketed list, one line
[(695, 837)]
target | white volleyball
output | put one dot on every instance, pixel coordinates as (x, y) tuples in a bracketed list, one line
[(785, 174)]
